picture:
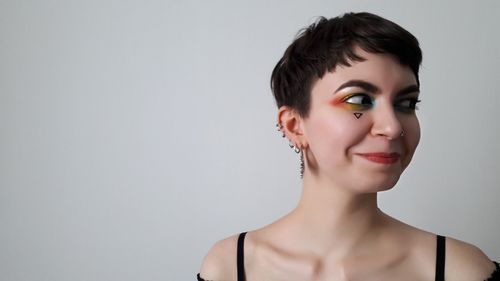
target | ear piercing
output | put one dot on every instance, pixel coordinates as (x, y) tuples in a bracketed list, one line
[(280, 129), (402, 133), (302, 167), (295, 148)]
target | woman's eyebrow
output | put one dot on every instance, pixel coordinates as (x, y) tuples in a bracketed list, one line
[(369, 87), (408, 90)]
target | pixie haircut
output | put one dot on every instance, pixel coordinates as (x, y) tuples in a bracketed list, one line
[(330, 42)]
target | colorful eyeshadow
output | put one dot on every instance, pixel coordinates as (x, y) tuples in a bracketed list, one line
[(342, 102)]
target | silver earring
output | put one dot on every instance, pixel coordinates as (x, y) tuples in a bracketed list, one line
[(297, 149), (280, 129), (402, 133), (302, 167)]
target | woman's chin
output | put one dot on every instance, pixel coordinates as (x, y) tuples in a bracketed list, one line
[(374, 185)]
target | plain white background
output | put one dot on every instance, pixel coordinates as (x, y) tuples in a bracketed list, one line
[(135, 134)]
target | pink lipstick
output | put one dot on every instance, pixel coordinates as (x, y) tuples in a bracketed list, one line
[(381, 157)]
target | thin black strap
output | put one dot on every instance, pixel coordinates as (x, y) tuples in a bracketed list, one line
[(240, 257), (440, 257)]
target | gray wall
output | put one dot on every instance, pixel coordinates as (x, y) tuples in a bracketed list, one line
[(134, 134)]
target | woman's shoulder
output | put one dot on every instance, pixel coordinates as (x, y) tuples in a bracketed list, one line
[(219, 262), (465, 261)]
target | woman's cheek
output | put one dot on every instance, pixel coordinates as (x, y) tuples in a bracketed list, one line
[(412, 139), (341, 131)]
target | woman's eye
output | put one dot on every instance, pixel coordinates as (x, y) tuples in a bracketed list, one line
[(407, 104), (360, 100)]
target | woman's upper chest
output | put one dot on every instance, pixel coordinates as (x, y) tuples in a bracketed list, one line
[(403, 263)]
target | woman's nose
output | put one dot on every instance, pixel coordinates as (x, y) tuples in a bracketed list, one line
[(386, 122)]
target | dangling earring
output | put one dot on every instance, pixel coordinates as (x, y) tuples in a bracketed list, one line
[(302, 167), (301, 151), (295, 148)]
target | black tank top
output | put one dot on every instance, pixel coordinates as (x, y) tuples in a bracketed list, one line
[(440, 260)]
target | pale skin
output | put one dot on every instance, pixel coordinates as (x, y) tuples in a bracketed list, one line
[(337, 232)]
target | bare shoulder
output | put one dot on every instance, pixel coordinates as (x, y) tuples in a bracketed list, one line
[(465, 261), (220, 262)]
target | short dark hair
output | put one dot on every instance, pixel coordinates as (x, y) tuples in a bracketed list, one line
[(330, 42)]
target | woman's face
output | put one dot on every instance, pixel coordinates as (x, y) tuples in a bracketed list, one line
[(354, 127)]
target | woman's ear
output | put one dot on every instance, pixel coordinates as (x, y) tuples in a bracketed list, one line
[(291, 124)]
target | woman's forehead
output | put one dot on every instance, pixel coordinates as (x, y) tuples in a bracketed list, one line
[(381, 70)]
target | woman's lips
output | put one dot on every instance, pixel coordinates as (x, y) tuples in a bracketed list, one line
[(381, 157)]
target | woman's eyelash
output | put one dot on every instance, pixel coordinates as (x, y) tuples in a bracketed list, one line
[(362, 101), (411, 103), (359, 99)]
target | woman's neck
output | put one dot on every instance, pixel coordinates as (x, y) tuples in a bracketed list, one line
[(332, 221)]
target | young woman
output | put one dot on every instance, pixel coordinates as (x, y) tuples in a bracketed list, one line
[(347, 90)]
